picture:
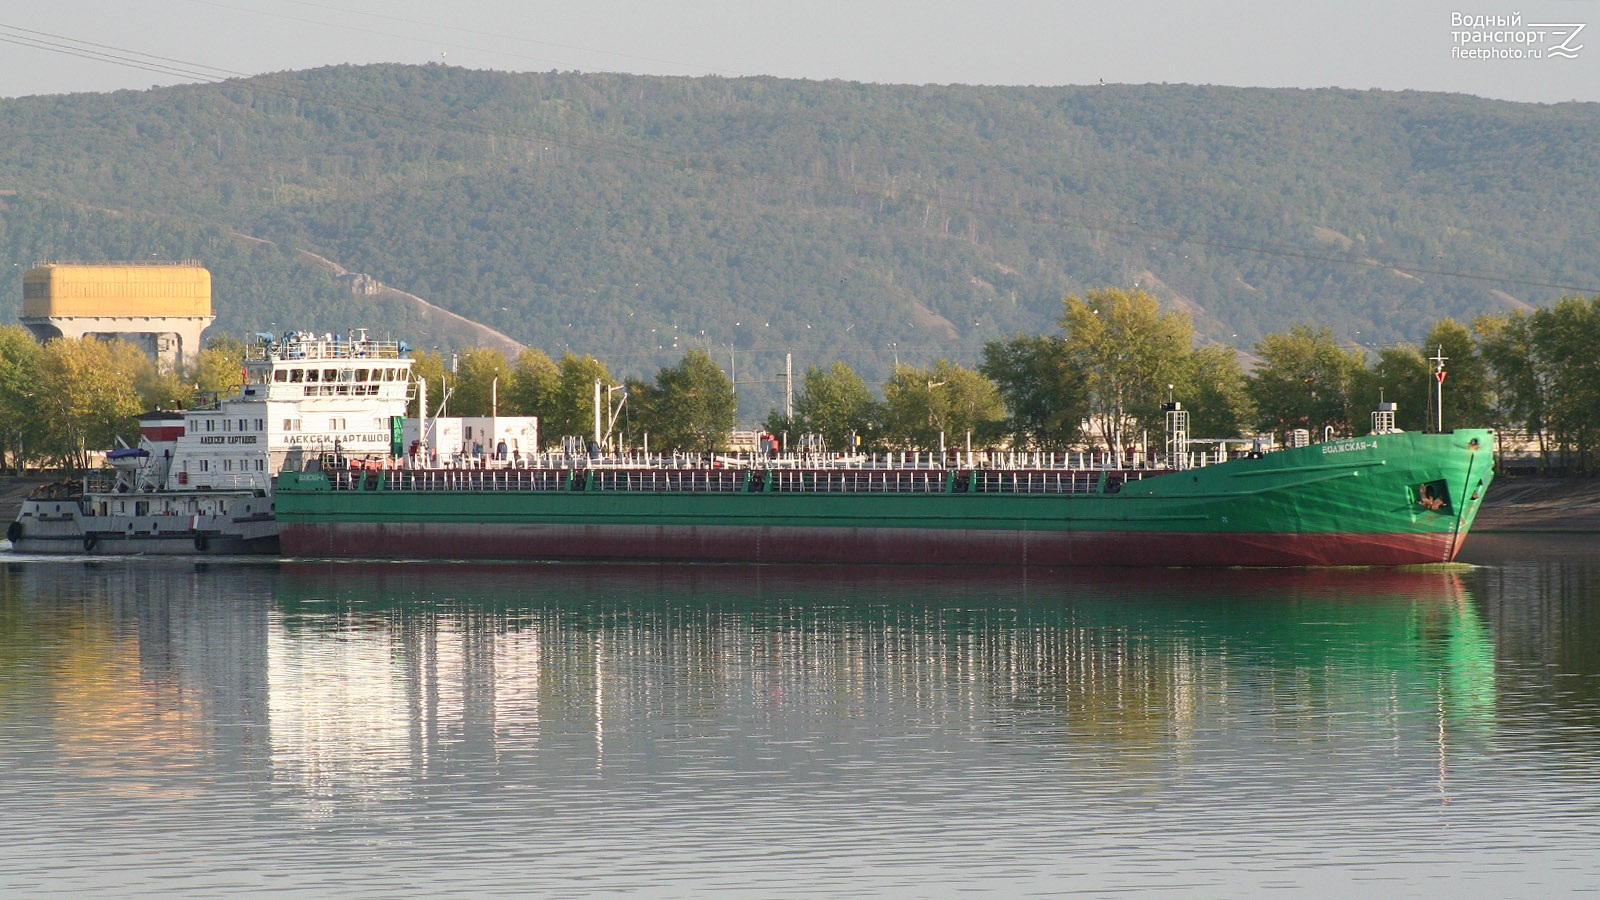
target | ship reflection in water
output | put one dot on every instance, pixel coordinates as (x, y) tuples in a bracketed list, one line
[(776, 731), (388, 667)]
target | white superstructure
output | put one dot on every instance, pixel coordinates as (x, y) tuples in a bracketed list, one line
[(201, 479), (304, 395)]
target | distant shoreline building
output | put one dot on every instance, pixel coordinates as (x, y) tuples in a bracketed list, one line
[(159, 307)]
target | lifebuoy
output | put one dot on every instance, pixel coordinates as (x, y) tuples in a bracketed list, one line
[(200, 543), (14, 532), (89, 541)]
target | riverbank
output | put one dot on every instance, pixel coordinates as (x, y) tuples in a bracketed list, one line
[(1541, 504), (1513, 504), (12, 490)]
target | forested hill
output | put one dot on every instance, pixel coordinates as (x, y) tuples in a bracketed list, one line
[(634, 217)]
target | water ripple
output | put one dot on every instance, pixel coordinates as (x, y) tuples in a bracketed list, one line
[(172, 730)]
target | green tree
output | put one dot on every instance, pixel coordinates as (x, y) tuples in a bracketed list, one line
[(1564, 344), (428, 370), (834, 402), (1212, 386), (164, 390), (534, 383), (483, 379), (87, 386), (927, 408), (1128, 351), (1402, 377), (1505, 343), (1466, 384), (1044, 392), (692, 405), (1305, 380), (219, 366), (21, 422), (571, 410)]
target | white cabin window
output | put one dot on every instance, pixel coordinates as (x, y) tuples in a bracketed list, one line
[(227, 424), (280, 375), (211, 424)]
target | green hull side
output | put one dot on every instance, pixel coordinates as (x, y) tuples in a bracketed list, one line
[(1364, 486)]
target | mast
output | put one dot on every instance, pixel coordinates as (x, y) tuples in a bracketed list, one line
[(1438, 359), (422, 419)]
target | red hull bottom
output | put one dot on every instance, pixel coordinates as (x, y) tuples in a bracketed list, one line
[(874, 546)]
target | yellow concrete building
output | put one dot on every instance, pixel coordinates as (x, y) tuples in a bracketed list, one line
[(162, 307)]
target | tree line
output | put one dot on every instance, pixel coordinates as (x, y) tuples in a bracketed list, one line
[(1102, 380), (63, 400)]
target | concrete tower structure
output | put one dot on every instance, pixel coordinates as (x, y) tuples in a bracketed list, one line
[(161, 307)]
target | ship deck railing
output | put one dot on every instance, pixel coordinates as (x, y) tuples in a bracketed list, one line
[(1007, 460), (303, 345), (736, 479)]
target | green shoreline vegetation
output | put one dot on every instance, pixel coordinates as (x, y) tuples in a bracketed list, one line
[(1101, 380)]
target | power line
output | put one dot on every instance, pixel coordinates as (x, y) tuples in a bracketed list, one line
[(55, 43)]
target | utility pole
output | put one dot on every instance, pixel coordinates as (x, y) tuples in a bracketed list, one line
[(788, 386)]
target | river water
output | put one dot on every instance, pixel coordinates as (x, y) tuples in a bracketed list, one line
[(186, 728)]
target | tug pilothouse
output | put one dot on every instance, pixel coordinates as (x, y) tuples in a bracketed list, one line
[(202, 478)]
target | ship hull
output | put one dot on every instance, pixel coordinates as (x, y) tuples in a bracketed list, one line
[(81, 525), (1387, 500), (861, 546)]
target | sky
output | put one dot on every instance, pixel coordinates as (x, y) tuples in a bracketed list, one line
[(1541, 52)]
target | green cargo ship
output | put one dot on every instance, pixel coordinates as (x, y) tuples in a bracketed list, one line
[(1390, 498)]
